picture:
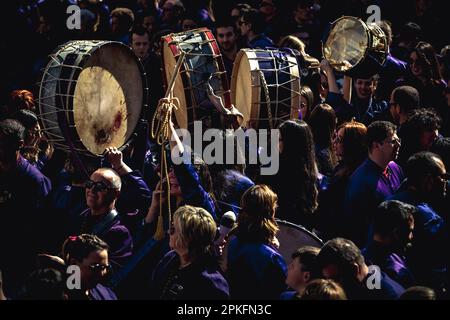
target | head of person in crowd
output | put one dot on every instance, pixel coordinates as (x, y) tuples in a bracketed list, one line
[(251, 23), (44, 284), (122, 20), (349, 144), (269, 8), (306, 102), (366, 88), (190, 20), (140, 42), (303, 268), (341, 260), (418, 293), (383, 142), (32, 128), (420, 130), (226, 35), (323, 289), (256, 222), (155, 43), (237, 11), (172, 11), (393, 225), (90, 254), (298, 161), (441, 147), (12, 134), (18, 100), (424, 64), (427, 176), (403, 100), (407, 38), (229, 186), (192, 234), (102, 191), (292, 42), (303, 12), (322, 122)]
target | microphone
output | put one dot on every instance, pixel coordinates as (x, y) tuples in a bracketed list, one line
[(226, 224)]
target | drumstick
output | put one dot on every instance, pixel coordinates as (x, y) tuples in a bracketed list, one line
[(174, 75)]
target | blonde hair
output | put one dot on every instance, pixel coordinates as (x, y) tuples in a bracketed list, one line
[(323, 289), (292, 42), (197, 229), (256, 222)]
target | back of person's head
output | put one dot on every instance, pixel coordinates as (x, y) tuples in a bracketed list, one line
[(323, 289), (292, 42), (198, 229), (27, 118), (307, 256), (44, 284), (354, 143), (257, 217), (13, 133), (421, 165), (378, 131), (418, 293), (407, 98), (298, 142), (20, 99), (229, 186), (410, 32), (79, 247), (393, 217), (322, 122), (256, 19), (342, 254)]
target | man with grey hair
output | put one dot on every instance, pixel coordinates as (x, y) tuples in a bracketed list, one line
[(101, 218)]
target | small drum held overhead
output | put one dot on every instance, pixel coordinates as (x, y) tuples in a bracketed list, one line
[(91, 96), (202, 66), (265, 87), (355, 48)]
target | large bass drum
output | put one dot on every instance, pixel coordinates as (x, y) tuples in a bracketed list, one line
[(92, 96), (355, 48)]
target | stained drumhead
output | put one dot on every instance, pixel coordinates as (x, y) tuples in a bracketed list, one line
[(347, 41), (108, 99)]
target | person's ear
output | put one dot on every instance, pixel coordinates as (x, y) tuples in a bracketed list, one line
[(306, 276), (20, 144), (356, 270)]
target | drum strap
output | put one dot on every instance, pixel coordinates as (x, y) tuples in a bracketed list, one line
[(160, 131)]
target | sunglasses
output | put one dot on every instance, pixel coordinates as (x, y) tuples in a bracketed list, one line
[(100, 267), (99, 186)]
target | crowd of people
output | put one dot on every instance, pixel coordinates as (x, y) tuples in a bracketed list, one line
[(364, 167)]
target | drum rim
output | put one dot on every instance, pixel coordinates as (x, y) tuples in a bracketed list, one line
[(69, 132), (299, 227), (168, 41), (366, 30)]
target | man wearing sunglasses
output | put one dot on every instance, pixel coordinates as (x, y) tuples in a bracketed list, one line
[(102, 219)]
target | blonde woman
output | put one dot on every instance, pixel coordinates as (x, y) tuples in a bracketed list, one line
[(190, 271)]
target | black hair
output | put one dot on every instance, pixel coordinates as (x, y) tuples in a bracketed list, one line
[(13, 132), (420, 165), (441, 147), (308, 258), (43, 284), (79, 247), (391, 216), (256, 19), (407, 98), (379, 131)]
